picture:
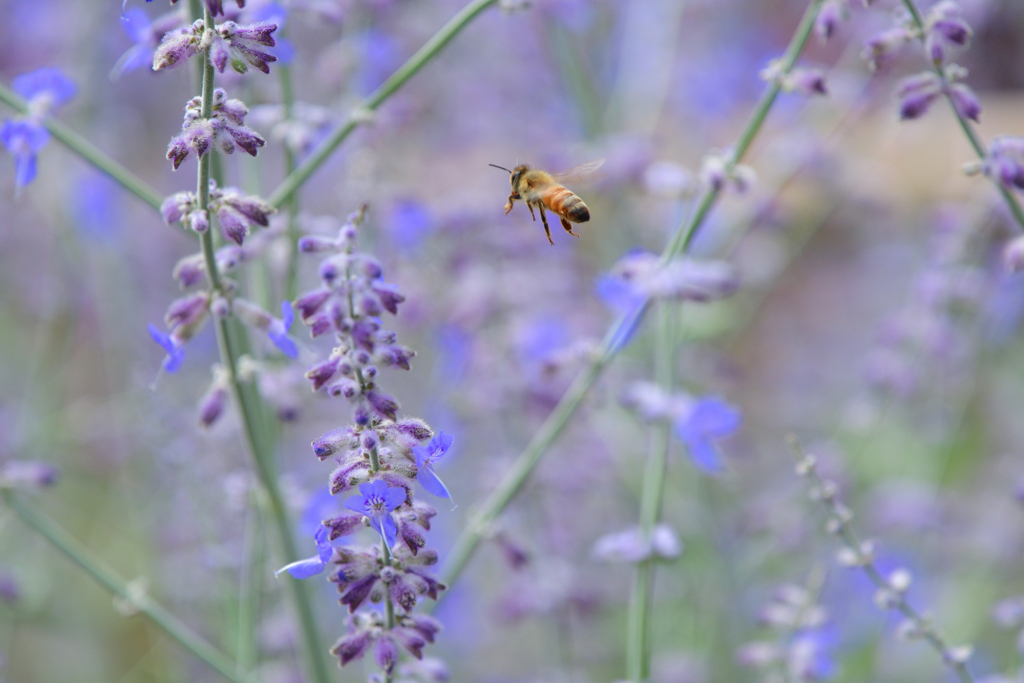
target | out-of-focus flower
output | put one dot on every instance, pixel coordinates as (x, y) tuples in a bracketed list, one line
[(698, 423), (882, 47), (28, 474), (707, 421), (311, 566), (801, 80), (426, 456), (175, 354), (145, 35), (45, 90), (944, 27), (276, 328), (631, 547), (831, 14)]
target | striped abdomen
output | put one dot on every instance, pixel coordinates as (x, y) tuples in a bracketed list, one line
[(565, 204)]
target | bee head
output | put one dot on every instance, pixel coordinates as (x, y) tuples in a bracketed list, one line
[(514, 174)]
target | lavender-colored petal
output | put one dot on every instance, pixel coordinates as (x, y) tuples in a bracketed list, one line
[(965, 101), (702, 452), (386, 654), (136, 24), (303, 569), (24, 169), (352, 646), (47, 82), (431, 483), (394, 497), (356, 503)]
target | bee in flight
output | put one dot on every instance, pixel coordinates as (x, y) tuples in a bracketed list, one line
[(541, 189)]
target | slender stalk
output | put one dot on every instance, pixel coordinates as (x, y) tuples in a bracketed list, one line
[(862, 557), (94, 567), (638, 624), (85, 149), (965, 125), (480, 523), (426, 53), (249, 407), (292, 203)]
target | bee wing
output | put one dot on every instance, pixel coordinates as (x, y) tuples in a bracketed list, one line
[(580, 171)]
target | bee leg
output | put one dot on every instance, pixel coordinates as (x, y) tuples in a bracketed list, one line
[(568, 228), (508, 207), (544, 220), (528, 206)]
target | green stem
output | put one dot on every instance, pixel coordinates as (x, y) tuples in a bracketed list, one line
[(638, 624), (430, 50), (292, 203), (480, 523), (85, 149), (91, 565), (260, 449), (965, 124)]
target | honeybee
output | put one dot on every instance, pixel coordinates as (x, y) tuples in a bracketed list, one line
[(541, 189)]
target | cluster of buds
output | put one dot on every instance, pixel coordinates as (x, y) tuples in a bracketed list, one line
[(225, 128), (801, 649), (227, 43), (942, 29), (236, 212), (916, 93), (380, 455)]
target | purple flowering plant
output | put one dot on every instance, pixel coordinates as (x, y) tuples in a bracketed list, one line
[(833, 265)]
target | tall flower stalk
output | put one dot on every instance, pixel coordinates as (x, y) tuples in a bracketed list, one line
[(379, 454)]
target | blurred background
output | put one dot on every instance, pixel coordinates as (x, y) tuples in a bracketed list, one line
[(875, 320)]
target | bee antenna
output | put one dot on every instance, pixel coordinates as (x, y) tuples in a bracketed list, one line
[(501, 167)]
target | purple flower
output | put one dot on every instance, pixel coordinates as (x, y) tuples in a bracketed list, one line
[(425, 459), (707, 421), (145, 35), (376, 500), (273, 13), (916, 94), (23, 138), (28, 474), (45, 89), (175, 354), (277, 331), (311, 566)]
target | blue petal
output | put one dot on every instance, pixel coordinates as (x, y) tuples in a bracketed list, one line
[(137, 25), (431, 483), (617, 293), (173, 361), (48, 81), (323, 546), (702, 451), (422, 454), (394, 496), (284, 344), (284, 51), (287, 315), (714, 417), (160, 338), (136, 57), (375, 488), (24, 169), (385, 526), (625, 326), (303, 569), (356, 503)]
